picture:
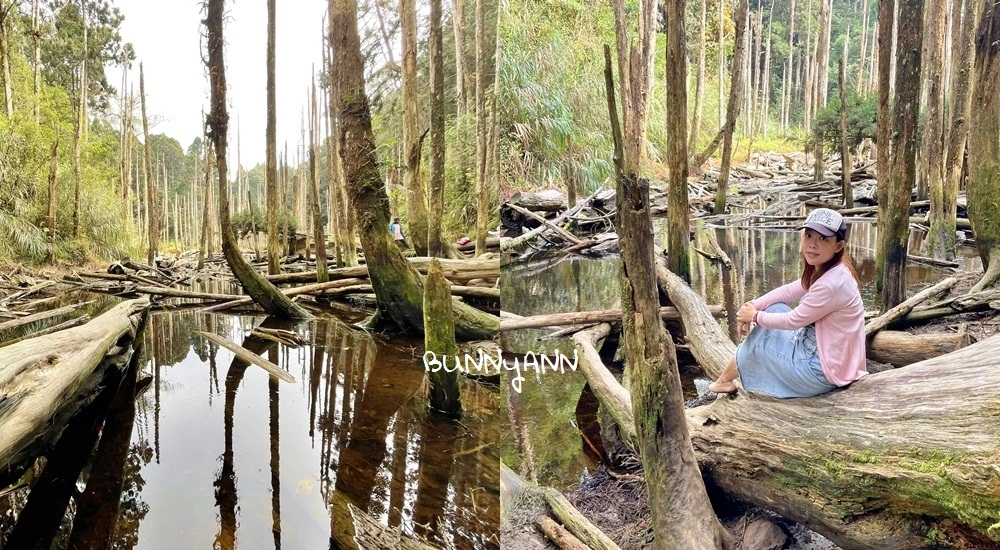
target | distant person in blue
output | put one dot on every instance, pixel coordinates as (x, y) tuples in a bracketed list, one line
[(397, 233)]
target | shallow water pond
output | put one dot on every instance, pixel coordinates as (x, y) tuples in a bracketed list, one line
[(199, 449)]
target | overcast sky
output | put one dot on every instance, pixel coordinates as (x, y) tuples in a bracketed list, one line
[(166, 38)]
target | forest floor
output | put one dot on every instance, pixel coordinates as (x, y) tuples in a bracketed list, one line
[(617, 503)]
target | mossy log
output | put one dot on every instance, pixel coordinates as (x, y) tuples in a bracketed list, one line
[(45, 380), (900, 459), (612, 395), (558, 534), (577, 523), (667, 313)]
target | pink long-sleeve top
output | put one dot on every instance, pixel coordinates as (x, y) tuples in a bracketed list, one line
[(834, 305)]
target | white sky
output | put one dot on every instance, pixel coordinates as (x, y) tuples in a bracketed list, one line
[(166, 38)]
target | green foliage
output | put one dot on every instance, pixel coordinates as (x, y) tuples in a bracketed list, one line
[(861, 112)]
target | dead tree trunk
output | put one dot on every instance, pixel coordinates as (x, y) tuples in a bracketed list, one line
[(894, 240), (262, 292), (699, 94), (845, 150), (678, 210), (435, 205), (413, 181), (682, 514), (271, 170), (930, 181), (961, 80), (317, 214), (51, 218), (439, 338), (152, 199), (398, 286), (883, 165), (984, 148), (733, 111)]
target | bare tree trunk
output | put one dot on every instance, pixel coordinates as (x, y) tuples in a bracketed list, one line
[(398, 287), (483, 204), (678, 210), (823, 54), (152, 201), (931, 179), (895, 239), (436, 198), (458, 22), (754, 75), (699, 94), (271, 170), (413, 181), (984, 148), (961, 79), (8, 94), (865, 16), (51, 218), (786, 90), (721, 32), (386, 43), (845, 150), (624, 70), (883, 130), (317, 213), (80, 129), (206, 219), (36, 35), (333, 168), (262, 292), (733, 111), (766, 84), (682, 514)]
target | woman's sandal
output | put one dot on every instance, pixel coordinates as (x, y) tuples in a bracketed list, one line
[(716, 387)]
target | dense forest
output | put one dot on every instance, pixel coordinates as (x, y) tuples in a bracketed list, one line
[(73, 167)]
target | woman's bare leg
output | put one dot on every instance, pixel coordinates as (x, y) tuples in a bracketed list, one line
[(725, 384)]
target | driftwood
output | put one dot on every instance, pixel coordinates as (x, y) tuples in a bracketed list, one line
[(76, 321), (454, 270), (902, 309), (549, 200), (577, 523), (558, 534), (667, 313), (555, 228), (613, 397), (515, 242), (21, 321), (45, 380), (249, 356), (902, 348)]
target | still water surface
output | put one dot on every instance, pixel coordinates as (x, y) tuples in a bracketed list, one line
[(201, 450)]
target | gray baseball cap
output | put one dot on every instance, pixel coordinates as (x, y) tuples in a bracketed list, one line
[(825, 222)]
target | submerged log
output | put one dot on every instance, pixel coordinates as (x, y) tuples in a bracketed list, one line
[(249, 356), (883, 463), (352, 529), (42, 381)]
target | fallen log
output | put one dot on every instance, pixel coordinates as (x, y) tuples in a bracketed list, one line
[(454, 270), (902, 348), (555, 228), (515, 242), (248, 356), (76, 321), (612, 395), (42, 381), (549, 200), (21, 321), (577, 523), (966, 303), (884, 463), (902, 309), (667, 313), (710, 346), (558, 534)]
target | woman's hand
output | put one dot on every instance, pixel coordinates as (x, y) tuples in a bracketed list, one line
[(746, 313)]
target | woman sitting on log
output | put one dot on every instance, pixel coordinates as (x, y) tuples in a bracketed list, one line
[(819, 345)]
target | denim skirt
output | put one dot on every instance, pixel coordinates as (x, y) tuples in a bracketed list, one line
[(781, 363)]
